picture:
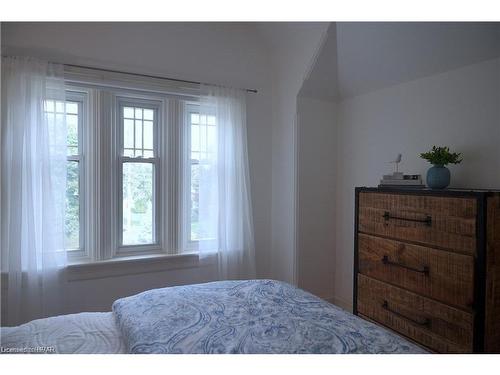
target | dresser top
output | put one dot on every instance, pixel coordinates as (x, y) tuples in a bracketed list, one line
[(428, 191)]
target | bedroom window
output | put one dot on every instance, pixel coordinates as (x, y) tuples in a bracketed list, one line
[(139, 174), (202, 143), (70, 113), (138, 163), (135, 166)]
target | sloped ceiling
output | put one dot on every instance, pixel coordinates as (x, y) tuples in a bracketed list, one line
[(292, 47), (321, 82), (359, 57), (376, 55)]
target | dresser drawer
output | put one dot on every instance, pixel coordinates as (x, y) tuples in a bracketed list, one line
[(442, 275), (435, 325), (445, 222)]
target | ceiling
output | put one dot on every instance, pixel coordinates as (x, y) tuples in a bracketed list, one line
[(359, 57), (321, 83), (354, 58)]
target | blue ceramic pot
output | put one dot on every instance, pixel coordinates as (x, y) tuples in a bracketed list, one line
[(438, 177)]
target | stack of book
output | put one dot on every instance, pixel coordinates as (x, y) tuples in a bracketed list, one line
[(400, 180)]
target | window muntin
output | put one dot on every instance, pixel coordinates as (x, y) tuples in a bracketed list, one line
[(70, 113), (138, 175), (138, 124), (165, 205)]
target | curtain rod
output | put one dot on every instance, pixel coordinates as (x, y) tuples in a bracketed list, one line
[(144, 75)]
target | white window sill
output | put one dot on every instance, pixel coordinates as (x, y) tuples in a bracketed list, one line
[(135, 265)]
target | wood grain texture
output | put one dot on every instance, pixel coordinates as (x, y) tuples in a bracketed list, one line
[(435, 325), (453, 219), (405, 337), (450, 276), (442, 267), (492, 310)]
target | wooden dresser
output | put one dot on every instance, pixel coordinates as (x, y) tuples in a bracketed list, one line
[(427, 266)]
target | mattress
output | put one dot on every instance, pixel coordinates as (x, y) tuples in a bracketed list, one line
[(88, 332), (247, 317)]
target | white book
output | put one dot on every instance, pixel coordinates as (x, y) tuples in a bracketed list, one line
[(400, 182), (395, 176)]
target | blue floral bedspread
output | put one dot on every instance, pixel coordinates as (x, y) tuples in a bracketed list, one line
[(251, 316)]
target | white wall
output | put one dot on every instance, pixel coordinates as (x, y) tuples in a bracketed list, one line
[(293, 47), (220, 53), (316, 158), (459, 108), (97, 294), (316, 171)]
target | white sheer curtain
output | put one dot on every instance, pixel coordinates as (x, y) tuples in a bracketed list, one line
[(225, 209), (33, 188)]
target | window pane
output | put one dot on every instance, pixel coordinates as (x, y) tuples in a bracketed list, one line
[(195, 138), (138, 134), (72, 108), (203, 147), (148, 135), (58, 114), (137, 203), (128, 134), (148, 154), (60, 118), (49, 106), (72, 133), (72, 223), (72, 150), (148, 114), (211, 139), (128, 152), (138, 113), (203, 139), (57, 117), (138, 138), (195, 190), (204, 228), (128, 112), (60, 107)]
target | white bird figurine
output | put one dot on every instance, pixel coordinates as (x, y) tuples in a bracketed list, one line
[(396, 163)]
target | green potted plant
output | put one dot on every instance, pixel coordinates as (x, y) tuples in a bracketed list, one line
[(438, 176)]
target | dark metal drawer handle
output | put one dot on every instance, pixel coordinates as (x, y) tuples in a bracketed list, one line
[(427, 221), (425, 322), (424, 270)]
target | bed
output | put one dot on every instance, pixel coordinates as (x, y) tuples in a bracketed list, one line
[(249, 316), (88, 332)]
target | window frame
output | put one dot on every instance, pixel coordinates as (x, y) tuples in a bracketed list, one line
[(187, 243), (119, 249), (102, 146), (80, 97)]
